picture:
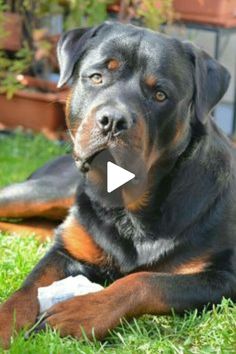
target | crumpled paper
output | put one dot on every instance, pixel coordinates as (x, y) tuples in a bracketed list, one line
[(65, 289)]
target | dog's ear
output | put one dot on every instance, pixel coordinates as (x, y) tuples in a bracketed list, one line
[(70, 49), (211, 80)]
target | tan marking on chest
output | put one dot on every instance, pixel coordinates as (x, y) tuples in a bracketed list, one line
[(80, 244)]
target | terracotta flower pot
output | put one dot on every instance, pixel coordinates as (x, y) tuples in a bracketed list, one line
[(218, 12), (12, 25), (35, 110)]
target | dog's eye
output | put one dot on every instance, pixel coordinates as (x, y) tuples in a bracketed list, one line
[(96, 79), (160, 96)]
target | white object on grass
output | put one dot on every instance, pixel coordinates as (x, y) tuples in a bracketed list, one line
[(65, 289)]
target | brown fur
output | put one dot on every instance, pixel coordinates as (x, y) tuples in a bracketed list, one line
[(80, 244), (151, 80), (53, 209), (113, 64)]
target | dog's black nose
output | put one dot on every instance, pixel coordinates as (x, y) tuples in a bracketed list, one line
[(112, 120)]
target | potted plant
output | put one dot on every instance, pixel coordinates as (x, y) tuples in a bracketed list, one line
[(37, 106), (11, 29), (27, 98), (155, 12), (151, 13), (25, 101), (215, 12)]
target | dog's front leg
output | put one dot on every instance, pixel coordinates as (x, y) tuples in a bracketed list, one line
[(135, 295), (74, 251), (21, 309)]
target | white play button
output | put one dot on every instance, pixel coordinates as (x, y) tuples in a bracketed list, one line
[(117, 176)]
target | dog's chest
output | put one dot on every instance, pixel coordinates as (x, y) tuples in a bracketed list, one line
[(135, 244)]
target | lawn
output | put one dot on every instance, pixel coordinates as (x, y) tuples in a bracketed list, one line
[(208, 332)]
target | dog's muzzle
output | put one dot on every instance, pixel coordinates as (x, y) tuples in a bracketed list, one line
[(113, 121)]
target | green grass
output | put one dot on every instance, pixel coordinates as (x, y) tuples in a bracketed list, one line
[(209, 332), (21, 154)]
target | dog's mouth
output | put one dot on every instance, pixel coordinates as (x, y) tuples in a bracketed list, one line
[(84, 163)]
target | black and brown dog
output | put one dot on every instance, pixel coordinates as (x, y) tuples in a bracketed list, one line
[(175, 247)]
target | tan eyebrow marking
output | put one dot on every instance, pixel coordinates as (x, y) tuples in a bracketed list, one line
[(151, 80), (113, 64)]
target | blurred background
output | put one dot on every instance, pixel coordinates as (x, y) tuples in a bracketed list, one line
[(29, 31)]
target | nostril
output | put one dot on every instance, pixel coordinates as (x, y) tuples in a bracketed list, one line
[(121, 125), (104, 120), (105, 123)]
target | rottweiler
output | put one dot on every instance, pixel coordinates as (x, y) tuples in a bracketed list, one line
[(174, 247)]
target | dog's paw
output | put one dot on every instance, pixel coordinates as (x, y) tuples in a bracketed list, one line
[(18, 312), (92, 314)]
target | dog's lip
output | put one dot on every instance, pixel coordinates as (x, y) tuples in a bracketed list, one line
[(84, 162)]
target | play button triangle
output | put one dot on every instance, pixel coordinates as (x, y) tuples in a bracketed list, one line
[(117, 176)]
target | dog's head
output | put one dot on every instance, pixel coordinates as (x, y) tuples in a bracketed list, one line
[(136, 89)]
